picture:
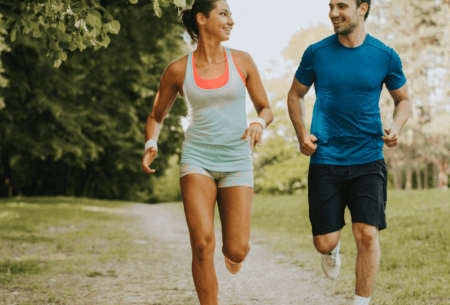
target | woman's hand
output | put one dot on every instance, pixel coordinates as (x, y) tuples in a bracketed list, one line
[(254, 132), (149, 156)]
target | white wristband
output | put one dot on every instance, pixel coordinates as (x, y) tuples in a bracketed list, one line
[(260, 121), (150, 143)]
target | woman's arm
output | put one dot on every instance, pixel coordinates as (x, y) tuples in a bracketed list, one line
[(257, 95), (168, 90)]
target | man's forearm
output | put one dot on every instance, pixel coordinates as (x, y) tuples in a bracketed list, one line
[(296, 107), (402, 112)]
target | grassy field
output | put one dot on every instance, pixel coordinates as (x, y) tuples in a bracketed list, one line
[(75, 251), (415, 263)]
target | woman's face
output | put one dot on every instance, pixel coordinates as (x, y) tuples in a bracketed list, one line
[(219, 23)]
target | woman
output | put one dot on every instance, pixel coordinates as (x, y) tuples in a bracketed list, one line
[(216, 157)]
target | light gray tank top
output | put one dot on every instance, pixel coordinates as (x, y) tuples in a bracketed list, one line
[(217, 121)]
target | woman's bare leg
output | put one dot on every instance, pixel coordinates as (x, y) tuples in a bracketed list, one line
[(235, 209), (199, 198)]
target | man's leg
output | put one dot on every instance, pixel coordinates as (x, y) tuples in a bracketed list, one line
[(326, 213), (327, 242), (368, 260)]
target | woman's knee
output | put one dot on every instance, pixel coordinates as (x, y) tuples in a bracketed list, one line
[(203, 247), (236, 252)]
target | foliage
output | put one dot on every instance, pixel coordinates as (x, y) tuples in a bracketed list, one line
[(66, 25), (78, 130), (418, 31), (279, 166)]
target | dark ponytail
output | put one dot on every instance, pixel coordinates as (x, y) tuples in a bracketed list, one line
[(189, 16)]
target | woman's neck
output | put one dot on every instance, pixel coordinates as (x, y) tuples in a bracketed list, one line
[(208, 53)]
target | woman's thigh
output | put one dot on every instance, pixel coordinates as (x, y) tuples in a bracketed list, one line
[(235, 208), (199, 194)]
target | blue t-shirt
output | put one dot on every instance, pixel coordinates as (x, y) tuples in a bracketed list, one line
[(348, 81)]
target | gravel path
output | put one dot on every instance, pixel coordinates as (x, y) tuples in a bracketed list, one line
[(265, 278)]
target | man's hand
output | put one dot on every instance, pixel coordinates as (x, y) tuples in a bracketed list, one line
[(307, 145), (149, 156), (390, 139), (254, 134)]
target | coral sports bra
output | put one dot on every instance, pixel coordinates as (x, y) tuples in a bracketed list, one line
[(218, 82)]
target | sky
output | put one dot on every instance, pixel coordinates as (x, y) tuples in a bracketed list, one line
[(264, 28)]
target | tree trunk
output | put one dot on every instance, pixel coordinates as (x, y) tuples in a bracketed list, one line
[(8, 181), (397, 179), (436, 174), (442, 176), (408, 184), (425, 175), (418, 177)]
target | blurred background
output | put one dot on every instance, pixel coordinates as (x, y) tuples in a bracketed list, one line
[(78, 82)]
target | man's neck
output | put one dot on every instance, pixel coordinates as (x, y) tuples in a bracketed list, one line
[(354, 39)]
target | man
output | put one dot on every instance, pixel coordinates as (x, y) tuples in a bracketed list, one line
[(347, 167)]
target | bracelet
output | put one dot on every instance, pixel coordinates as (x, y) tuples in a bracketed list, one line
[(150, 143), (259, 121)]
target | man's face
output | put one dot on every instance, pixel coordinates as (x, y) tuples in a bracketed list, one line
[(344, 16)]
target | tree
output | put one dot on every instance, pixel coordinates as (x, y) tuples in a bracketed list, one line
[(67, 25), (78, 130), (279, 165), (418, 31)]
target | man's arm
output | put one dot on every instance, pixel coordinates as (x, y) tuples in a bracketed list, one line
[(296, 107), (402, 112)]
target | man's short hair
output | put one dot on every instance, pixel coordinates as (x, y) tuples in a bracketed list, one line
[(358, 4)]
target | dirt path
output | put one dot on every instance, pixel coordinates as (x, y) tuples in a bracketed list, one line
[(264, 278)]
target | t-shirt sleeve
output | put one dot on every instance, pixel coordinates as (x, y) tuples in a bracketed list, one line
[(305, 72), (395, 78)]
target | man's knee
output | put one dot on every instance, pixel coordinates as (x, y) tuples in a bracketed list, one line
[(366, 236), (326, 243)]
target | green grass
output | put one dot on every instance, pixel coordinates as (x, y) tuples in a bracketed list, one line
[(415, 262), (60, 250)]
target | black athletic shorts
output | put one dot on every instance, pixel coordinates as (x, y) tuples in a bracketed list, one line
[(361, 187)]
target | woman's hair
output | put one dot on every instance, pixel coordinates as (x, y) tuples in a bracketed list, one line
[(189, 15)]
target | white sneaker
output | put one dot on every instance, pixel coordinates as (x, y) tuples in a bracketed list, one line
[(331, 262)]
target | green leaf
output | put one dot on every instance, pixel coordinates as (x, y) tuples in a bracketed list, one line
[(63, 55), (133, 1), (157, 9), (91, 20), (37, 34), (106, 40), (64, 37), (97, 14), (72, 46), (62, 27), (180, 3), (114, 27), (79, 41), (57, 63)]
